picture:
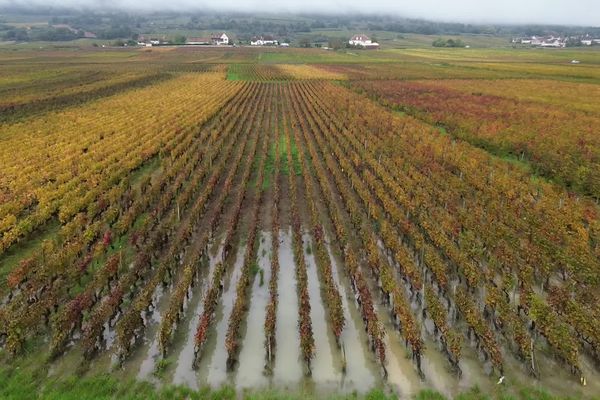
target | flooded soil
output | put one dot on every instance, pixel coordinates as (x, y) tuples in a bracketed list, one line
[(212, 368), (288, 370), (327, 363), (250, 372), (183, 347), (361, 372)]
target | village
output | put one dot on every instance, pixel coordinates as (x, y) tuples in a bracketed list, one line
[(359, 41), (557, 41)]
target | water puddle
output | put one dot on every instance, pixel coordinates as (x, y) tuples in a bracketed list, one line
[(555, 377), (362, 372), (152, 352), (473, 372), (145, 352), (252, 355), (287, 368), (212, 369), (184, 373), (402, 375), (325, 370), (436, 369)]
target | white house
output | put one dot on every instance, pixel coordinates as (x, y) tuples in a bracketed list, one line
[(214, 39), (266, 40), (363, 40), (220, 39), (548, 41), (536, 41), (553, 42), (586, 42)]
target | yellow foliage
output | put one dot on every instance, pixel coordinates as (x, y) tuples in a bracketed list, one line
[(304, 71), (68, 158)]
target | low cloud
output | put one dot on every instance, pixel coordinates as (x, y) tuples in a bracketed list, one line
[(574, 12)]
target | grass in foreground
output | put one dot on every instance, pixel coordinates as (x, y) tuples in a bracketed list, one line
[(23, 383)]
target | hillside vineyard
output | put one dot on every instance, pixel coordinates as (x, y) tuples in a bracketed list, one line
[(290, 225)]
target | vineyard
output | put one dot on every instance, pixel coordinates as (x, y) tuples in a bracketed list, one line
[(282, 225), (561, 144), (279, 72)]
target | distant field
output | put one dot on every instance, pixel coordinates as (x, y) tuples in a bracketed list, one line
[(523, 55), (259, 223), (407, 40), (565, 95)]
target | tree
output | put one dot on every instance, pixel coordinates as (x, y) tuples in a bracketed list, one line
[(179, 39), (18, 35), (304, 42), (573, 42), (336, 43), (448, 43), (439, 43)]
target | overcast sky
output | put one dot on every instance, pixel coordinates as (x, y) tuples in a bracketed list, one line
[(568, 12)]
